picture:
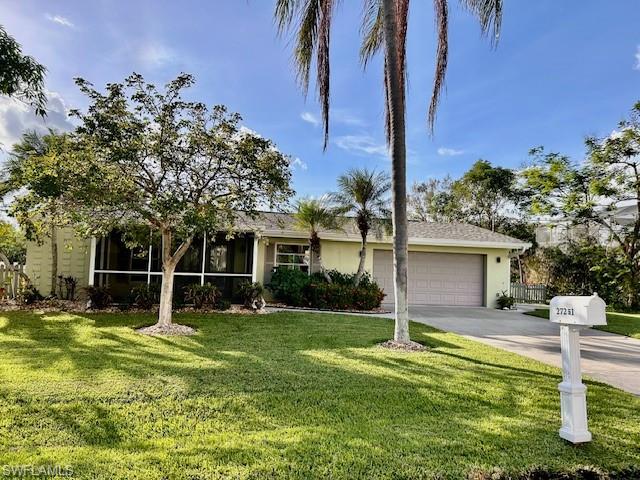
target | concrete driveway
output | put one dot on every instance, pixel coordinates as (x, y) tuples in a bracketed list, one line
[(606, 357)]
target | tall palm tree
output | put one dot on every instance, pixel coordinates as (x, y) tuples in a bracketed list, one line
[(363, 193), (384, 28), (313, 215)]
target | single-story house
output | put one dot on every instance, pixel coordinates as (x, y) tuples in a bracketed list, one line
[(449, 263)]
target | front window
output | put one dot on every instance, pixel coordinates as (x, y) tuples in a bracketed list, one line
[(292, 256)]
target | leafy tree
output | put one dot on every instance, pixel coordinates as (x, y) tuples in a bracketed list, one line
[(590, 193), (39, 173), (363, 193), (484, 196), (425, 199), (312, 216), (384, 28), (172, 165), (21, 76), (12, 242)]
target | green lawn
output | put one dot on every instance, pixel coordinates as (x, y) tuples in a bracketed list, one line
[(627, 324), (293, 395)]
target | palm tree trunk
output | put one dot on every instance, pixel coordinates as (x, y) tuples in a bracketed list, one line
[(363, 256), (395, 98)]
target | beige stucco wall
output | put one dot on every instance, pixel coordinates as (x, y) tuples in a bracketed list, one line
[(74, 252), (344, 257), (73, 259)]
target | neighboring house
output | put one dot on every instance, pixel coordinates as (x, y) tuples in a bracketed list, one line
[(449, 263), (560, 231)]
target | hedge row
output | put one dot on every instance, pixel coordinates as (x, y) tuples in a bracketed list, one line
[(298, 289)]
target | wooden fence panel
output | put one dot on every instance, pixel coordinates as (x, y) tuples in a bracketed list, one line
[(529, 293), (10, 280)]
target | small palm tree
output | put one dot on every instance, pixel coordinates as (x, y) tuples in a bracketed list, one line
[(363, 193), (384, 29), (311, 216)]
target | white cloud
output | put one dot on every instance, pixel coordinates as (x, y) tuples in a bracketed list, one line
[(345, 117), (298, 163), (362, 144), (310, 118), (156, 55), (16, 117), (637, 65), (449, 152), (60, 20)]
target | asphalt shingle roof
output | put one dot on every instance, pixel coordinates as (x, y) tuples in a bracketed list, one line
[(273, 223)]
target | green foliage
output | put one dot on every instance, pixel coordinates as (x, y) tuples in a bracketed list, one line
[(99, 297), (288, 285), (364, 194), (336, 296), (41, 171), (250, 293), (21, 76), (67, 287), (590, 193), (178, 167), (222, 304), (298, 289), (12, 242), (202, 296), (505, 301), (28, 295), (582, 268), (485, 196), (145, 296), (108, 401)]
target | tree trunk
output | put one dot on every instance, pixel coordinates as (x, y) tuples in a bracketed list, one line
[(166, 294), (54, 261), (396, 98), (363, 256), (169, 262)]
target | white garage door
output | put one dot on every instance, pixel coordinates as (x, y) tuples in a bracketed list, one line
[(435, 278)]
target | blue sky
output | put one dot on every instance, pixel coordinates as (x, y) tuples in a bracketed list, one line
[(562, 70)]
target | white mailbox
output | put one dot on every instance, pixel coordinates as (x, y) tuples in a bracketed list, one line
[(574, 310), (574, 314)]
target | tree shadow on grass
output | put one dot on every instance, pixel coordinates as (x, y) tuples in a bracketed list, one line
[(308, 395)]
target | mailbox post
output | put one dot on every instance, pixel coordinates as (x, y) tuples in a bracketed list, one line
[(574, 314)]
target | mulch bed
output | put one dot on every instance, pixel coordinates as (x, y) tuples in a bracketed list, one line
[(167, 330), (376, 311), (410, 346)]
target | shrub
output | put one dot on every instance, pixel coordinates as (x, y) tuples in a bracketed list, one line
[(505, 300), (288, 286), (298, 289), (202, 296), (222, 304), (99, 297), (336, 296), (145, 296), (251, 295), (29, 295)]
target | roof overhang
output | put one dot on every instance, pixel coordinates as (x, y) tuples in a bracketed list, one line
[(434, 242)]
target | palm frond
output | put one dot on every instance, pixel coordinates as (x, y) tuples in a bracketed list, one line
[(371, 30), (489, 14), (311, 20), (441, 13), (323, 65)]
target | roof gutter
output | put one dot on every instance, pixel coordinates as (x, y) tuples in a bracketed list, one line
[(435, 242)]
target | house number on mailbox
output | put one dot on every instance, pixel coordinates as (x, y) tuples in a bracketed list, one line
[(564, 311)]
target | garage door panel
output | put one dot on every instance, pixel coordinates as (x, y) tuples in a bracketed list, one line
[(435, 278)]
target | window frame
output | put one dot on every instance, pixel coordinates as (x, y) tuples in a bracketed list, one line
[(296, 244)]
